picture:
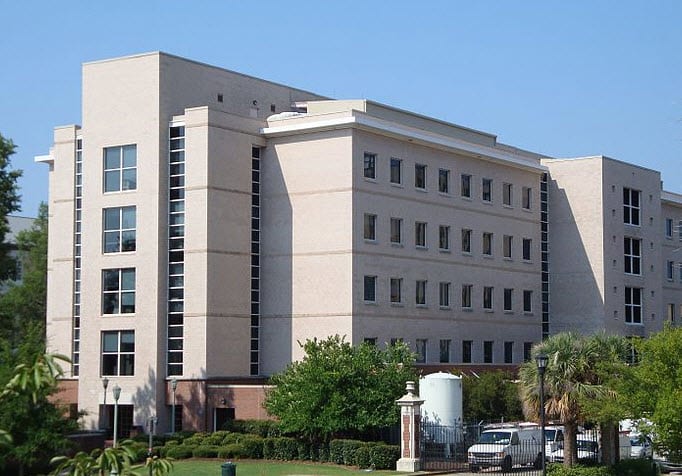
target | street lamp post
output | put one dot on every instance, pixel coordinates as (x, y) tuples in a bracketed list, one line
[(152, 422), (542, 360), (174, 386), (105, 384), (117, 393)]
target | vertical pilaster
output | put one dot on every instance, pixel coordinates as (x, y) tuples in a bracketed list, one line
[(410, 419)]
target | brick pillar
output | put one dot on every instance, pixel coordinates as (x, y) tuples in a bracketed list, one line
[(410, 418)]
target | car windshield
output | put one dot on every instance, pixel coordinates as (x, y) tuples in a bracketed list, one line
[(550, 434), (501, 437)]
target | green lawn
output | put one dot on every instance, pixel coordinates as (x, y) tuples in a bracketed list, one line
[(203, 467)]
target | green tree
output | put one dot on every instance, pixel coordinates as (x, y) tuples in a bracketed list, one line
[(9, 202), (338, 389), (655, 389), (576, 374), (491, 396)]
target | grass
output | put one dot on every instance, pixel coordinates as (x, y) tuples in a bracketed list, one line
[(203, 467)]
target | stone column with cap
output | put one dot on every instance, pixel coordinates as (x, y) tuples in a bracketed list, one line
[(410, 419)]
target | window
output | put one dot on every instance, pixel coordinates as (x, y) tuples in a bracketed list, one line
[(120, 168), (370, 341), (527, 351), (396, 171), (670, 270), (507, 242), (370, 232), (633, 305), (507, 194), (118, 353), (679, 229), (508, 297), (420, 293), (508, 352), (420, 176), (632, 250), (370, 288), (466, 240), (370, 166), (631, 210), (668, 227), (118, 291), (527, 242), (118, 229), (527, 300), (487, 190), (466, 351), (444, 237), (444, 294), (526, 198), (420, 234), (488, 244), (488, 298), (396, 230), (465, 187), (443, 181), (488, 352), (421, 351), (396, 340), (466, 295), (396, 290), (671, 312), (444, 351)]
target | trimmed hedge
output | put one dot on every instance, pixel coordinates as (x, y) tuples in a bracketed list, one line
[(285, 448), (208, 451), (234, 450), (578, 470), (636, 467), (262, 428), (252, 446), (384, 456), (362, 457), (180, 452)]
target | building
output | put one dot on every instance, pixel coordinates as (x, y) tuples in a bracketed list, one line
[(16, 225), (203, 222)]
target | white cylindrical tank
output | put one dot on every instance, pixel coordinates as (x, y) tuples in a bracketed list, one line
[(442, 395)]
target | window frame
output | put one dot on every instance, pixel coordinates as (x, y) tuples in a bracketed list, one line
[(120, 230), (526, 198), (466, 301), (527, 247), (631, 211), (507, 194), (396, 225), (669, 228), (528, 301), (369, 289), (421, 350), (122, 182), (444, 181), (444, 237), (466, 240), (465, 186), (396, 290), (444, 294), (420, 182), (396, 171), (120, 353), (120, 292), (369, 168), (369, 227), (444, 351), (420, 234), (508, 301), (420, 293), (467, 351), (488, 298), (633, 310), (509, 352), (632, 258), (488, 351), (487, 243), (487, 190), (507, 246)]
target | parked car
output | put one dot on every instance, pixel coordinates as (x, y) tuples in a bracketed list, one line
[(587, 450), (507, 447), (554, 438), (640, 446)]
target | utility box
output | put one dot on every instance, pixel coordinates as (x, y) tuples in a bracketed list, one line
[(228, 469)]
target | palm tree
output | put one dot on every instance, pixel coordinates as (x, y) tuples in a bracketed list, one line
[(574, 375)]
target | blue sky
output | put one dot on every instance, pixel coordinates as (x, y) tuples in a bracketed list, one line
[(564, 79)]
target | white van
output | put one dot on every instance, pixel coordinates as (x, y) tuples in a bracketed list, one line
[(507, 447)]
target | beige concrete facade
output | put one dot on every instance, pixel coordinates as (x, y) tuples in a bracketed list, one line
[(277, 206)]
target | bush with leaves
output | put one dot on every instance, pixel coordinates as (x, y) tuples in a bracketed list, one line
[(384, 456), (180, 452), (234, 450)]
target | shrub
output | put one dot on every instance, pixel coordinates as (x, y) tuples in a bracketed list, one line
[(384, 456), (579, 470), (635, 467), (269, 448), (304, 451), (206, 451), (197, 439), (362, 457), (180, 452), (319, 453), (170, 443), (252, 446), (234, 450), (285, 448), (216, 438), (262, 428), (336, 451), (349, 450)]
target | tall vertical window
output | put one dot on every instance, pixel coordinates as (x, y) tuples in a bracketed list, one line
[(118, 229), (466, 240), (671, 312), (118, 353), (370, 227), (631, 206), (466, 351), (508, 298), (488, 352), (370, 289), (679, 230), (370, 166), (444, 351), (120, 168), (508, 352), (444, 294), (488, 244), (421, 351), (527, 300), (507, 246), (396, 171), (527, 351), (526, 198), (420, 176), (507, 194), (396, 290), (396, 230), (444, 237), (420, 234), (668, 227), (633, 305), (632, 249), (488, 298), (670, 270), (77, 256), (118, 291), (465, 186), (527, 245), (466, 295), (254, 358), (487, 190), (420, 293), (443, 181)]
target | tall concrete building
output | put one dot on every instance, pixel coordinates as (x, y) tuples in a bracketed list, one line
[(203, 223)]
